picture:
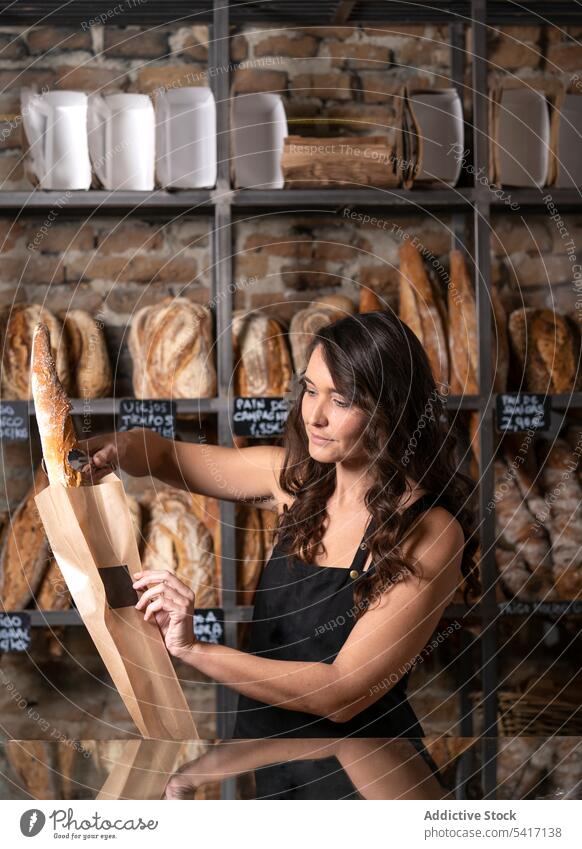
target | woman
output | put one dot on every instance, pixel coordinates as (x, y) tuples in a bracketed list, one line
[(374, 536)]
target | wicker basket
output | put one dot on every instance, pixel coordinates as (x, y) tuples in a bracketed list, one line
[(537, 712)]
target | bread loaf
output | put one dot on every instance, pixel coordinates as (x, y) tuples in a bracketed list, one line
[(304, 325), (562, 517), (25, 551), (178, 541), (341, 303), (500, 343), (523, 549), (369, 301), (422, 309), (171, 346), (207, 510), (462, 329), (89, 363), (544, 344), (52, 407), (18, 325), (554, 340), (262, 363), (250, 551)]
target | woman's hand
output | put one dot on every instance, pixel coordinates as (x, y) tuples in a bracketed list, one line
[(171, 603), (133, 451)]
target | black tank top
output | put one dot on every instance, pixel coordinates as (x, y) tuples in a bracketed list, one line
[(305, 612)]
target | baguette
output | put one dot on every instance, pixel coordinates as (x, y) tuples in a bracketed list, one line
[(462, 328), (52, 407), (419, 295)]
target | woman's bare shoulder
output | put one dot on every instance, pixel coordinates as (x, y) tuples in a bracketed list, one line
[(437, 538)]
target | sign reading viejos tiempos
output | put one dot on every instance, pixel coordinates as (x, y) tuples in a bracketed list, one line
[(152, 413)]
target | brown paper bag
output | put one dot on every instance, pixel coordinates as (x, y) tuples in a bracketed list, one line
[(143, 771), (90, 531)]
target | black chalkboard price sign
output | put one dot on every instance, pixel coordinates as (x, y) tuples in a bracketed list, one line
[(14, 421), (14, 632), (259, 416), (158, 415), (209, 625), (523, 411)]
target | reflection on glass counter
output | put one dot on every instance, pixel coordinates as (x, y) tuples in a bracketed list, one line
[(358, 768)]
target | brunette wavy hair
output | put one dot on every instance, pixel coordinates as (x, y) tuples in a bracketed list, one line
[(378, 364)]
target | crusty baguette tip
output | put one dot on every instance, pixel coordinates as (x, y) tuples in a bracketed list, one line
[(52, 407)]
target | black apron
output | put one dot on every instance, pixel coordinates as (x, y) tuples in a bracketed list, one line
[(322, 778), (305, 612)]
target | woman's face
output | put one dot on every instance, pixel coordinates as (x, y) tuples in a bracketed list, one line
[(333, 424)]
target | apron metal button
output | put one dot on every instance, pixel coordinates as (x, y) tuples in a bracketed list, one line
[(353, 573)]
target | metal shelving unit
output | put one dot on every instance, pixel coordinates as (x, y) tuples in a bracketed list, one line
[(468, 205)]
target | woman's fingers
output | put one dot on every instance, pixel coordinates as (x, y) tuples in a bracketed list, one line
[(179, 602), (161, 576), (154, 606)]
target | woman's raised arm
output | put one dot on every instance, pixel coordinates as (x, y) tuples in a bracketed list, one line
[(218, 471)]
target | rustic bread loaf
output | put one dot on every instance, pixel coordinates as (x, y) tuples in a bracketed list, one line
[(369, 301), (250, 551), (564, 523), (89, 363), (17, 329), (423, 310), (555, 341), (207, 510), (341, 303), (545, 346), (171, 346), (25, 551), (304, 324), (499, 343), (36, 767), (52, 408), (178, 541), (462, 328), (262, 363), (523, 549)]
